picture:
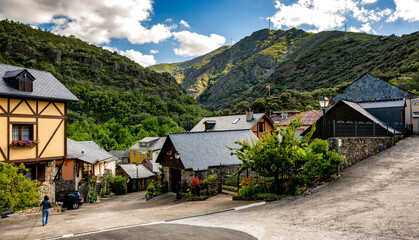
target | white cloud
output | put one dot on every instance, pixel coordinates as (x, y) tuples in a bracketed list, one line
[(168, 20), (368, 1), (95, 21), (184, 23), (407, 10), (366, 27), (143, 60), (152, 51), (110, 49), (322, 14), (326, 15), (194, 44)]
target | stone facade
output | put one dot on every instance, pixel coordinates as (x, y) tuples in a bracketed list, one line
[(355, 149), (48, 186), (62, 185)]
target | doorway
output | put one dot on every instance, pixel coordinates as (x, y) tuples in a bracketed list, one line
[(175, 178)]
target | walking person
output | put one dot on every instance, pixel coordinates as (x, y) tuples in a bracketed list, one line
[(45, 205)]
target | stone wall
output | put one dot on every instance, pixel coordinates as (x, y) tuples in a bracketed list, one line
[(62, 185), (48, 186), (355, 149)]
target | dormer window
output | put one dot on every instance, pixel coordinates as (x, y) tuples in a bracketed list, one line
[(21, 80)]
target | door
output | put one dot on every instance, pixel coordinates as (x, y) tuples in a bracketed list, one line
[(175, 177)]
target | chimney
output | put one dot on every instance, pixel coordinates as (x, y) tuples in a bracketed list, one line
[(209, 124), (249, 115)]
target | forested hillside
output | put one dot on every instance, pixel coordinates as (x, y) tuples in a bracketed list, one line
[(300, 66), (120, 101)]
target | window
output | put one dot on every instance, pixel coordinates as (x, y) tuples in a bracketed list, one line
[(261, 127), (25, 85), (135, 153), (22, 132)]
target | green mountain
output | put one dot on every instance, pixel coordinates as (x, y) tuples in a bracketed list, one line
[(120, 101), (295, 60)]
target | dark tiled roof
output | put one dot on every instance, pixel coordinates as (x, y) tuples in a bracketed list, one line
[(87, 151), (120, 153), (200, 150), (307, 119), (370, 88), (225, 123), (46, 86), (131, 170)]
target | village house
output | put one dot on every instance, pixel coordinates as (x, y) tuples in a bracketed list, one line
[(83, 158), (197, 152), (147, 149), (121, 155), (33, 122), (350, 119), (369, 89), (138, 175), (258, 123), (307, 119), (278, 116)]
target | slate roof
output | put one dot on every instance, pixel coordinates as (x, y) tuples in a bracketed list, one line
[(383, 104), (87, 151), (371, 88), (120, 153), (307, 119), (156, 145), (225, 123), (200, 150), (131, 170), (46, 86)]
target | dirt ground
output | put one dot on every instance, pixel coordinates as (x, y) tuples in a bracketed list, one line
[(116, 212), (377, 198)]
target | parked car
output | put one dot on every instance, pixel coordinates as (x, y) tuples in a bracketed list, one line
[(69, 199)]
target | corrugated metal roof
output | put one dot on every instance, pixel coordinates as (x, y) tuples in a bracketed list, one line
[(87, 151), (383, 104), (131, 170), (226, 123), (200, 150), (46, 86)]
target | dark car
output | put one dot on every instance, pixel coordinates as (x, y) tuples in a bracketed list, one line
[(69, 199)]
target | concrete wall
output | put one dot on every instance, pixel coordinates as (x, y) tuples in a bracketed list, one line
[(355, 149)]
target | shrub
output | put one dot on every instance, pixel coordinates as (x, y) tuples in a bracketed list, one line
[(195, 186), (119, 185), (247, 188), (16, 192), (151, 189)]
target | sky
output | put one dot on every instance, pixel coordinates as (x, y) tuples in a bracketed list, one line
[(167, 31)]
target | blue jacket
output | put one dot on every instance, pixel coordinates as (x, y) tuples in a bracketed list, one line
[(46, 204)]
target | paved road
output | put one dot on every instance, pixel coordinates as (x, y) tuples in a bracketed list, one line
[(168, 231), (120, 211), (377, 198)]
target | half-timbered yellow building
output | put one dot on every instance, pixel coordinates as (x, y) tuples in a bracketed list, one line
[(33, 120)]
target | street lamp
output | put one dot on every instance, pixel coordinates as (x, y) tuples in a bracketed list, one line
[(177, 157), (324, 103)]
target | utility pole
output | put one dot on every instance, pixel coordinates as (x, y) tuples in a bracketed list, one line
[(269, 23), (231, 41)]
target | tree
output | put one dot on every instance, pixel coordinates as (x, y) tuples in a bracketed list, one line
[(17, 192), (272, 156)]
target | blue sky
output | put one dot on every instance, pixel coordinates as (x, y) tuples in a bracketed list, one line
[(163, 31)]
